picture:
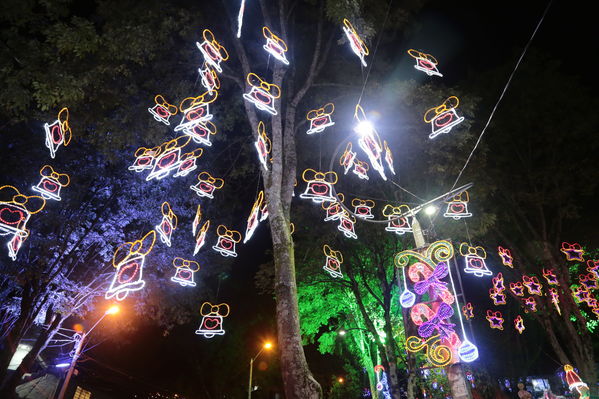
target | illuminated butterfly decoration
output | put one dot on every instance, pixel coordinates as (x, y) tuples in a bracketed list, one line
[(162, 110), (185, 272), (457, 206), (555, 299), (263, 145), (51, 183), (188, 162), (517, 288), (253, 219), (550, 277), (443, 117), (129, 259), (320, 118), (347, 159), (14, 215), (468, 311), (593, 267), (581, 294), (573, 252), (275, 46), (346, 225), (212, 50), (475, 260), (495, 319), (262, 94), (356, 43), (361, 169), (318, 188), (588, 281), (333, 208), (207, 185), (519, 324), (388, 157), (530, 304), (425, 62), (208, 77), (227, 239), (430, 322), (169, 158), (398, 224), (333, 261), (431, 281), (532, 284), (168, 224), (506, 256), (363, 208), (58, 132), (201, 237), (145, 158), (369, 141), (196, 111), (212, 319)]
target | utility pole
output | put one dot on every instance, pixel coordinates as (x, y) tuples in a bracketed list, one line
[(67, 379)]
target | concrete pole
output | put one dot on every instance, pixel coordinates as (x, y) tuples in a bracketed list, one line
[(67, 379)]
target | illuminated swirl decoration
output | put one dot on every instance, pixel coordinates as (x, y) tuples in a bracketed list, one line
[(263, 145), (262, 94), (437, 354), (212, 51), (168, 223), (129, 261), (162, 110), (457, 206), (318, 188), (227, 239), (333, 261), (320, 118), (51, 183), (356, 43), (58, 132), (185, 272), (425, 62), (475, 260), (212, 319), (15, 211), (275, 46), (443, 117)]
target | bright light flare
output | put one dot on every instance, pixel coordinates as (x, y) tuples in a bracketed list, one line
[(62, 365), (113, 309), (342, 332), (340, 380), (364, 128), (430, 210), (267, 345)]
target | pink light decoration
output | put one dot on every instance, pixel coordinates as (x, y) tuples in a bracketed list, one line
[(517, 288), (333, 262), (588, 281), (361, 169), (58, 132), (320, 119), (457, 206), (188, 162), (168, 224), (468, 311), (128, 259), (506, 256), (397, 224), (519, 324), (593, 267), (550, 276), (201, 237), (51, 183), (263, 145), (212, 319), (253, 219), (356, 43), (207, 185), (555, 299), (162, 110), (426, 279), (532, 284), (425, 62), (475, 260), (388, 157), (495, 319), (318, 188), (275, 46), (530, 304), (196, 111), (498, 297), (346, 225), (212, 50), (169, 158), (185, 272), (573, 252), (347, 159), (369, 140), (443, 117), (363, 208), (333, 208), (227, 239), (498, 282), (262, 94), (145, 158)]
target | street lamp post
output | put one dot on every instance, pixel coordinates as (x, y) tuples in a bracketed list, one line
[(266, 346), (79, 346)]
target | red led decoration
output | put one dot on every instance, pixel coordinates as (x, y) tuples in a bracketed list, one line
[(185, 272), (227, 239), (397, 224), (168, 224), (333, 261), (51, 183), (495, 319), (212, 319), (363, 208), (207, 185), (573, 252), (212, 50), (320, 118), (519, 324), (347, 159), (319, 189), (506, 256), (58, 132), (162, 110)]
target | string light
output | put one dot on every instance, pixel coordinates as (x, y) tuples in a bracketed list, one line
[(388, 157), (196, 110), (129, 259), (475, 260), (168, 224), (443, 117), (14, 215), (347, 159), (188, 162), (185, 272), (369, 140), (555, 299), (169, 158), (519, 324), (227, 239), (318, 189), (51, 183), (212, 50), (58, 132), (196, 220), (253, 219), (263, 145), (550, 276), (588, 281), (346, 225), (517, 288), (333, 262), (208, 77), (356, 43), (240, 18), (437, 354), (425, 62), (457, 207), (363, 208), (275, 46), (201, 237), (468, 311), (575, 383), (162, 110), (397, 224), (532, 284), (212, 319), (573, 252), (262, 94), (361, 169), (207, 185), (530, 304), (495, 319), (145, 158), (320, 119), (506, 256)]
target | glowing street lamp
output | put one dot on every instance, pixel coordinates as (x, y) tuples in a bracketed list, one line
[(268, 346)]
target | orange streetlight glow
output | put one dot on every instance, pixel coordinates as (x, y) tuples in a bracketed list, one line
[(341, 380), (267, 345), (112, 310)]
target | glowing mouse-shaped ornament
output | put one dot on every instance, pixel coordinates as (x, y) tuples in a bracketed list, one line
[(425, 62), (333, 261), (443, 117), (275, 46), (262, 94), (51, 183), (398, 224), (318, 188), (168, 224), (212, 50), (363, 208)]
